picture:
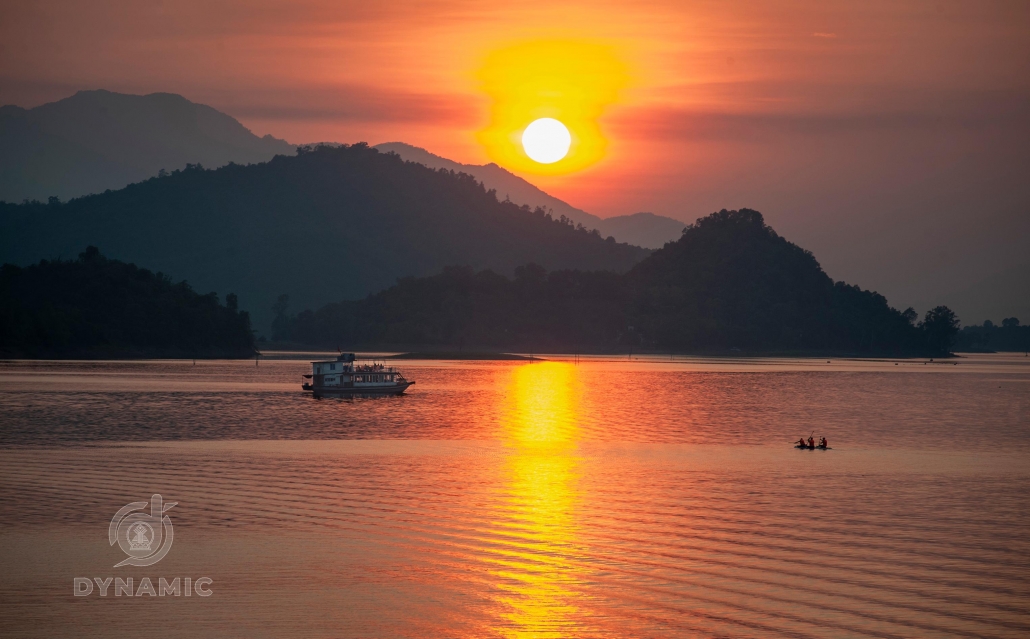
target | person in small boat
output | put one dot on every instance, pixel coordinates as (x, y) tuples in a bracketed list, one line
[(801, 443), (811, 443), (822, 443)]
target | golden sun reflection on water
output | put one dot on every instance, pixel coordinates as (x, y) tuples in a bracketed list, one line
[(537, 579), (543, 400)]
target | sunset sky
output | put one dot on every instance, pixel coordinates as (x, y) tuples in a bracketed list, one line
[(889, 138)]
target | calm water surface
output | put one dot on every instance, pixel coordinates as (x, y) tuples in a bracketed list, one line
[(501, 499)]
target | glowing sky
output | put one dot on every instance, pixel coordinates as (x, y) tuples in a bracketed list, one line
[(887, 137)]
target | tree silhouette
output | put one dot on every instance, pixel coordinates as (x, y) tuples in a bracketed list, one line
[(940, 326), (989, 337), (96, 307), (282, 321)]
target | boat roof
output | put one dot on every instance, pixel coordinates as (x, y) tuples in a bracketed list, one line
[(346, 358)]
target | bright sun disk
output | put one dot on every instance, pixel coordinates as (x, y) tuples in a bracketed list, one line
[(546, 140)]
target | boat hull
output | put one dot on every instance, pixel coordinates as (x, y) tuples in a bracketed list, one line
[(360, 391)]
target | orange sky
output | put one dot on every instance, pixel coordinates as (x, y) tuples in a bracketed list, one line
[(884, 136)]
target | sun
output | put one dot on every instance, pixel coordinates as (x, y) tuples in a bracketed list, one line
[(546, 140), (546, 102)]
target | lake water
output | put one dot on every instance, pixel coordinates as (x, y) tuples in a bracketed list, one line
[(590, 498)]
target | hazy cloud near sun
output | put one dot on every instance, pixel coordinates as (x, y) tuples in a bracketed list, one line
[(354, 103), (900, 112)]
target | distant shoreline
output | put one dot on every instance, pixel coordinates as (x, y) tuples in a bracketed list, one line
[(411, 352), (281, 351), (462, 355)]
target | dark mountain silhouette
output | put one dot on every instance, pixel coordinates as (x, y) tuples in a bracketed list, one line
[(98, 140), (507, 184), (640, 229), (325, 224), (96, 307), (730, 282)]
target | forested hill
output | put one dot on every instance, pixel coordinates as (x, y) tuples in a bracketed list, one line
[(324, 224), (640, 229), (96, 307), (730, 282)]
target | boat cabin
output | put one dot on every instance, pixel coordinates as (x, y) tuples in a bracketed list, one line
[(344, 373)]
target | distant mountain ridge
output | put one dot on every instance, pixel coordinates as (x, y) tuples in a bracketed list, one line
[(99, 140), (640, 229), (322, 225)]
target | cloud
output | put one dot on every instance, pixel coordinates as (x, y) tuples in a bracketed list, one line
[(346, 103), (899, 111)]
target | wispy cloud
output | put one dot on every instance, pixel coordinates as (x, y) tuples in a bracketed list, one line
[(346, 102), (941, 112)]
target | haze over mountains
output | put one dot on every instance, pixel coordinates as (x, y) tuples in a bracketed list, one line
[(99, 140), (642, 229), (326, 224)]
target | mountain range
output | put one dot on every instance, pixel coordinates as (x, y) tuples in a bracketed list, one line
[(96, 141), (99, 140), (325, 224), (641, 229)]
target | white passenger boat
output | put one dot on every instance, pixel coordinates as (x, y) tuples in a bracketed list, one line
[(343, 377)]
